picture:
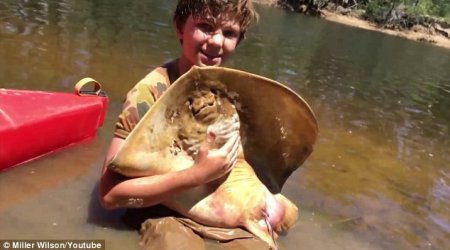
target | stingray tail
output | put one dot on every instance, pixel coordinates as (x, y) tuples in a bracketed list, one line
[(264, 232)]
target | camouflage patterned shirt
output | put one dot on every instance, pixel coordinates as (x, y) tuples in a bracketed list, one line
[(142, 96)]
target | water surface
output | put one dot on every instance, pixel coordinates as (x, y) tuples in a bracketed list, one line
[(379, 177)]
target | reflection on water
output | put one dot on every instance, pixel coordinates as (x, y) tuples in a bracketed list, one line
[(379, 177)]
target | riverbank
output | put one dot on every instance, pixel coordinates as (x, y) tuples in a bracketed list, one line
[(420, 34)]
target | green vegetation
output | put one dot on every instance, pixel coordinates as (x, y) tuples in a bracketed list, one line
[(382, 10), (388, 13)]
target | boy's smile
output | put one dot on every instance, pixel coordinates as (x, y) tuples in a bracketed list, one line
[(206, 42)]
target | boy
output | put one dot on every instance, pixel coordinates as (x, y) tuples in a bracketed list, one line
[(209, 31)]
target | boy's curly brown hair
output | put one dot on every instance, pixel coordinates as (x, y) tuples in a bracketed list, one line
[(243, 10)]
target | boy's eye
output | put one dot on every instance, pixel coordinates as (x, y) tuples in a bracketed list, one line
[(205, 27), (230, 33)]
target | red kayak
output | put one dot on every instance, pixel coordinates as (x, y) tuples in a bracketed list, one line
[(34, 123)]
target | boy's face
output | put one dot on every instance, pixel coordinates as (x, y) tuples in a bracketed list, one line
[(206, 42)]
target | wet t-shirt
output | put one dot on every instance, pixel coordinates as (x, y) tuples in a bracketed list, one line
[(139, 100)]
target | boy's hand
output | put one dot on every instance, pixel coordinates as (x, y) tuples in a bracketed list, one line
[(214, 163)]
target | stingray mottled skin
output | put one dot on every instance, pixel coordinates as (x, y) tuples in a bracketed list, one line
[(277, 128)]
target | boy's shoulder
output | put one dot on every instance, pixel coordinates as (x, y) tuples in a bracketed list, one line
[(139, 100), (157, 81)]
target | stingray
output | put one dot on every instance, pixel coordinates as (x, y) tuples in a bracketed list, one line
[(277, 129)]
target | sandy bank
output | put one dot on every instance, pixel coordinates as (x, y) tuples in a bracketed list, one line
[(418, 35)]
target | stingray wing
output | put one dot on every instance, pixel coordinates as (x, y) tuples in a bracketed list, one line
[(278, 128)]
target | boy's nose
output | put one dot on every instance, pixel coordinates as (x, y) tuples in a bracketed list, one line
[(216, 39)]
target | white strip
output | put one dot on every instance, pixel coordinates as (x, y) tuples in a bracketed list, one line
[(7, 117)]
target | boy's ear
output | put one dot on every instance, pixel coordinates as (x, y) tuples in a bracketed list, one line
[(179, 32), (241, 37)]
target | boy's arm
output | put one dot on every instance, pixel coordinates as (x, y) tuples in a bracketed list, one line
[(118, 192)]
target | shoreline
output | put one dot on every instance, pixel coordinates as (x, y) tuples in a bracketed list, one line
[(421, 35), (418, 36)]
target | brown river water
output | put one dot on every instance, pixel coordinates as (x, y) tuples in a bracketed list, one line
[(379, 177)]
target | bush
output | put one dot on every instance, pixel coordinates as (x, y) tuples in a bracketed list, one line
[(377, 10)]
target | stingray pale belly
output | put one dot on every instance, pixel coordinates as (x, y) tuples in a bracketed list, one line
[(278, 130)]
